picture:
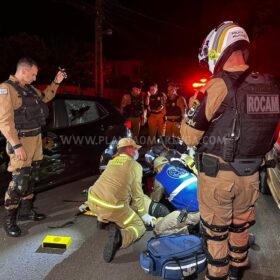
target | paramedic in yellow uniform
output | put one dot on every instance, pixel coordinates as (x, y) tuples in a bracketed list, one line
[(112, 195)]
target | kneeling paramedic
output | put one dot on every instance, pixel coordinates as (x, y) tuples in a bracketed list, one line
[(233, 126), (111, 198), (177, 184)]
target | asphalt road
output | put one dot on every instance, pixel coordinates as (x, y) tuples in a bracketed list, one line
[(23, 258)]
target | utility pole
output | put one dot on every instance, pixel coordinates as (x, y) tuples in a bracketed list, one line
[(99, 83)]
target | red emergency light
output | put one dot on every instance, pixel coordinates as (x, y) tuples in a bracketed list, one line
[(128, 124), (201, 83)]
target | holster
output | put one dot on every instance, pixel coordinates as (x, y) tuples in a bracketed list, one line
[(197, 160), (210, 165), (246, 167), (207, 164)]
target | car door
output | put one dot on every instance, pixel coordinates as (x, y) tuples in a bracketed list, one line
[(73, 140)]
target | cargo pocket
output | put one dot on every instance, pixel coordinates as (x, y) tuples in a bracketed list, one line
[(222, 193), (254, 192)]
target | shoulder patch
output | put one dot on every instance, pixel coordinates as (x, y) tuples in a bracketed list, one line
[(3, 91)]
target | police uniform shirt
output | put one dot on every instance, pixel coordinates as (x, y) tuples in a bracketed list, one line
[(120, 183), (180, 102), (127, 101), (159, 97), (216, 91), (10, 101)]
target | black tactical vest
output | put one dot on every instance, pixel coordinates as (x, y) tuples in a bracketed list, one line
[(33, 111), (156, 101), (258, 115), (135, 108), (172, 109)]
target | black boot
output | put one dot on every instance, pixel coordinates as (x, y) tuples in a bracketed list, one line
[(114, 242), (236, 273), (10, 225), (26, 212)]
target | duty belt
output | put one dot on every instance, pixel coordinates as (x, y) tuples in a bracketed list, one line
[(242, 167), (156, 112), (35, 132), (173, 120)]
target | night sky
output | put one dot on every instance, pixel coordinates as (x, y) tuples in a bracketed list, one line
[(152, 30)]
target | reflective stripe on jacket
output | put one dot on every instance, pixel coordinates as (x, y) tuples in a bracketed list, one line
[(103, 203)]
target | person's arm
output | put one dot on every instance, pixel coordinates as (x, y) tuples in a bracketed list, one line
[(157, 192), (182, 105), (198, 96), (126, 100), (50, 91), (147, 99), (191, 100), (144, 115), (193, 128), (7, 123), (137, 195), (164, 103)]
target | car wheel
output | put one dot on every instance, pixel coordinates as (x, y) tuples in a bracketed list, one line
[(264, 188)]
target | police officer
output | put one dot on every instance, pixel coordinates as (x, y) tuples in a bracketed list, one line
[(177, 184), (155, 102), (117, 197), (133, 108), (233, 127), (22, 113), (175, 110)]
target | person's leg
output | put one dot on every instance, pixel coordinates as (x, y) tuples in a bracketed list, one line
[(154, 208), (168, 128), (132, 227), (18, 187), (176, 129), (26, 211), (215, 203), (152, 123), (161, 124), (129, 227), (135, 126), (16, 190), (243, 217)]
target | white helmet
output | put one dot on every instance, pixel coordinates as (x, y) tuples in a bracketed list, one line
[(220, 43)]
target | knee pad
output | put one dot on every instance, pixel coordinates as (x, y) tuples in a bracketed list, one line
[(157, 209), (222, 236), (12, 196), (241, 227), (11, 199), (21, 178)]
